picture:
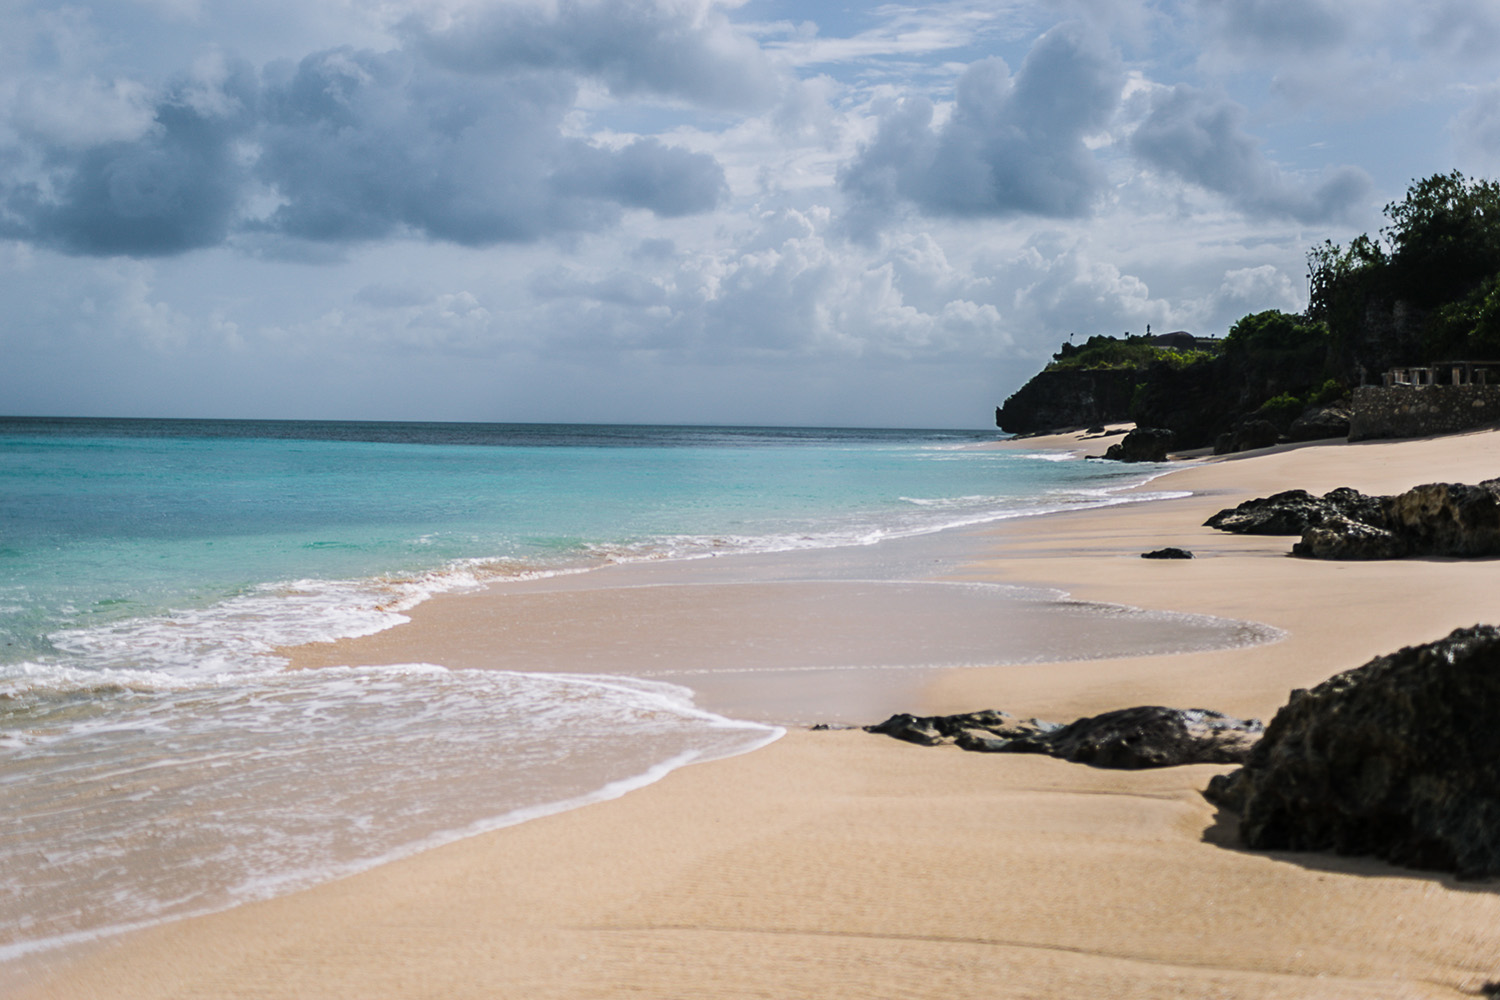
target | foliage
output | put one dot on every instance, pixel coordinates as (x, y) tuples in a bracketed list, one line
[(1426, 292), (1278, 338), (1331, 391), (1281, 409), (1111, 352), (1468, 328)]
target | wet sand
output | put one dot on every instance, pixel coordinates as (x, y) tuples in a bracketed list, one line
[(839, 863)]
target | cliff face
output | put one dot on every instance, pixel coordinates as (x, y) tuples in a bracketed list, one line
[(1077, 398)]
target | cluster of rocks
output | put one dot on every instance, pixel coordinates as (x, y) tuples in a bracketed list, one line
[(1130, 738), (1437, 519), (1258, 431), (1398, 759)]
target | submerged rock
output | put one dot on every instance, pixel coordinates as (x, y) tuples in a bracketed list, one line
[(1129, 738), (1399, 759)]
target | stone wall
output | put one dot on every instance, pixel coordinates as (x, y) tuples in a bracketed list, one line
[(1422, 410)]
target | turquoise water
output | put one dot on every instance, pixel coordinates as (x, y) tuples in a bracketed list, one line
[(155, 758)]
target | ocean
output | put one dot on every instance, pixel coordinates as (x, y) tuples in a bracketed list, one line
[(157, 760)]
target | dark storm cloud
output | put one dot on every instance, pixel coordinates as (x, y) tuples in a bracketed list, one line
[(348, 146), (1200, 138), (1012, 146), (685, 50), (175, 188)]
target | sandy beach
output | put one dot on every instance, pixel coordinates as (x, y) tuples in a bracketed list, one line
[(836, 863)]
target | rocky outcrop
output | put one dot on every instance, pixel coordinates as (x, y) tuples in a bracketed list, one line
[(1130, 738), (1437, 519), (1144, 444), (1053, 400), (1170, 552), (1295, 511), (1399, 759), (1448, 519)]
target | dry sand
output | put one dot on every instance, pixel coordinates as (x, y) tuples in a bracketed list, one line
[(843, 864)]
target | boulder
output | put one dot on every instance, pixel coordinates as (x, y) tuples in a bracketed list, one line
[(1294, 511), (1448, 519), (1319, 422), (1144, 444), (1130, 738), (1341, 538), (1170, 552), (1398, 759)]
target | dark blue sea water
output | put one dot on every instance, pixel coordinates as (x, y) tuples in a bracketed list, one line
[(155, 757)]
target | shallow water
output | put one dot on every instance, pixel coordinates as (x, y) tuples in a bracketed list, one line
[(156, 759)]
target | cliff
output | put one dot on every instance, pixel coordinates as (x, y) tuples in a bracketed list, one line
[(1068, 398)]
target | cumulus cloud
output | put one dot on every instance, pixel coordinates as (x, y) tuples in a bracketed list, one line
[(346, 146), (680, 49), (1013, 144), (173, 188), (1200, 138)]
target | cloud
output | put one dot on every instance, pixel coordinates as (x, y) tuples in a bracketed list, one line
[(363, 145), (345, 146), (685, 50), (1280, 26), (175, 187), (1013, 145), (1200, 138)]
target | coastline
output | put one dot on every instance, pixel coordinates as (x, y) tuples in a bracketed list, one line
[(838, 861)]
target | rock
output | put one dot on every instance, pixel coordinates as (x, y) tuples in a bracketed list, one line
[(1149, 736), (1130, 738), (1319, 422), (1052, 400), (1144, 444), (1341, 538), (1170, 552), (1294, 511), (1399, 759), (969, 726), (1437, 519), (1448, 519), (1255, 434)]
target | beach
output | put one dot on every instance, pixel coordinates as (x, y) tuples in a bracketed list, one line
[(834, 862)]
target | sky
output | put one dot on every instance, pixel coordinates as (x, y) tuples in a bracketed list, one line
[(682, 211)]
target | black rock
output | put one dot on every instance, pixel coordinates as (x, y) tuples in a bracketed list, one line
[(1130, 738), (1448, 519), (1294, 511), (1399, 759), (932, 730), (1319, 422), (1170, 552), (1149, 736), (1341, 538), (1144, 444)]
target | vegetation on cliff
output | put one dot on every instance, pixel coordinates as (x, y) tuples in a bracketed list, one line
[(1427, 288)]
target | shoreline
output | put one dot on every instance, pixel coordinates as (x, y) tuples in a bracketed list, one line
[(842, 861)]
